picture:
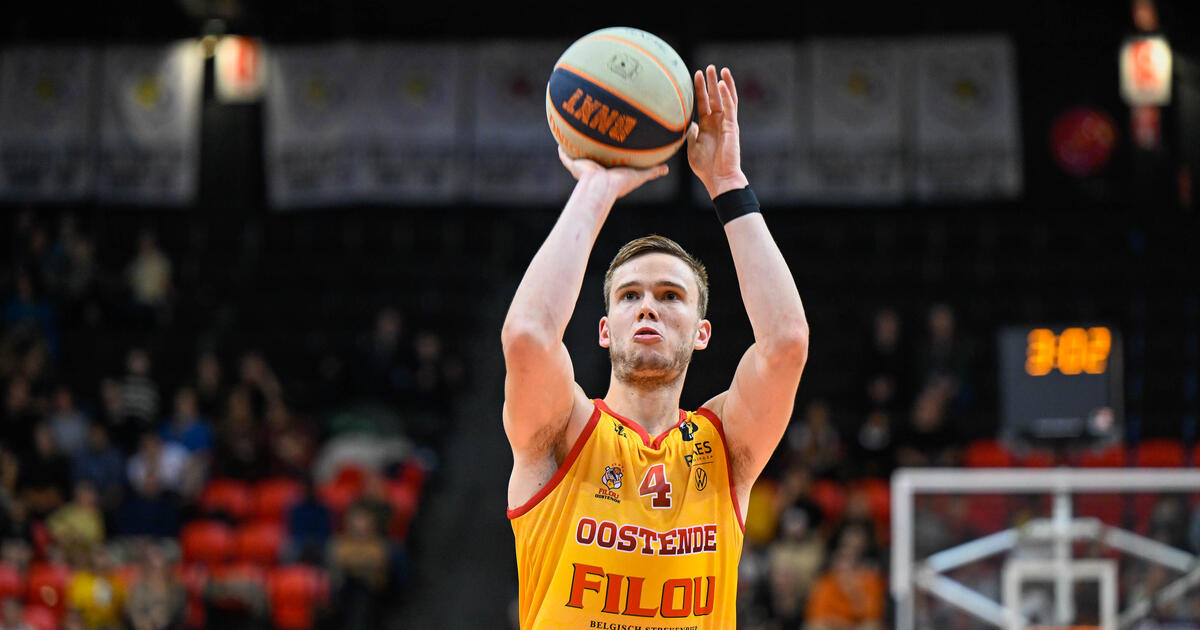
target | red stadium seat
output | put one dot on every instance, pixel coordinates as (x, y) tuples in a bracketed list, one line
[(295, 594), (337, 497), (259, 542), (47, 585), (1111, 457), (230, 497), (1109, 508), (989, 513), (42, 618), (12, 583), (987, 454), (351, 478), (1037, 459), (209, 542), (272, 498), (403, 497), (1159, 453), (831, 498)]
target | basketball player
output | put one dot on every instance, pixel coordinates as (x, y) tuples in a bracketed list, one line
[(627, 510)]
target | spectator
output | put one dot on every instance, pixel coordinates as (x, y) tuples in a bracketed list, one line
[(239, 452), (209, 387), (21, 413), (101, 464), (156, 601), (886, 374), (167, 461), (78, 278), (96, 592), (44, 480), (930, 439), (139, 400), (291, 442), (14, 616), (309, 525), (359, 568), (850, 594), (384, 359), (793, 562), (68, 424), (187, 428), (944, 356), (260, 383), (873, 446), (149, 277), (150, 510), (815, 441), (435, 376), (78, 526), (374, 501), (28, 311)]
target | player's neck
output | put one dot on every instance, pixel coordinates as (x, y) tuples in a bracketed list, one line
[(655, 409)]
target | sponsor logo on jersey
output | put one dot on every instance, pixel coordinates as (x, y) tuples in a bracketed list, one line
[(619, 428), (688, 429), (702, 453), (612, 482), (701, 479)]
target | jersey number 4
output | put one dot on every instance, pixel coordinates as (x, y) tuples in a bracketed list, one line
[(655, 483)]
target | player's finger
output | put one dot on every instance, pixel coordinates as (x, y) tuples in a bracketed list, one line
[(566, 160), (713, 98), (693, 132), (701, 94), (727, 104), (728, 76)]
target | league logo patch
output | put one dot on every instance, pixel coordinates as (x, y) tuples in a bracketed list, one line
[(612, 477), (619, 428), (688, 429)]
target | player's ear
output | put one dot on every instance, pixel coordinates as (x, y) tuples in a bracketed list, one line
[(703, 334), (604, 340)]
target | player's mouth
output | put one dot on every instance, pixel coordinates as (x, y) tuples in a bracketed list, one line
[(646, 334)]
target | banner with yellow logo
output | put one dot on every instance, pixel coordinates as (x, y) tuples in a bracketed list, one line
[(857, 120), (312, 125), (149, 123), (414, 132), (967, 142), (47, 97)]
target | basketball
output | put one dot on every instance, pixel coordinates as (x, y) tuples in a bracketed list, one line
[(620, 96)]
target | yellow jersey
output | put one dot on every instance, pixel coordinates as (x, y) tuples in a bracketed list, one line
[(633, 532)]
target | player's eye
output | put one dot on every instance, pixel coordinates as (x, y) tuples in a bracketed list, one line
[(628, 296), (670, 295)]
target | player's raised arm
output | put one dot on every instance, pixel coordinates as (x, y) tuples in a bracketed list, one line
[(539, 385), (756, 408)]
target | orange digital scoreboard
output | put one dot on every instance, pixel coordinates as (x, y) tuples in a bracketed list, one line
[(1061, 385)]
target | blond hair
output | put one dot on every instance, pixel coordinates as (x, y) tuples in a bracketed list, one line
[(655, 244)]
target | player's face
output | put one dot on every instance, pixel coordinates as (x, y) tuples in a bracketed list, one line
[(653, 323)]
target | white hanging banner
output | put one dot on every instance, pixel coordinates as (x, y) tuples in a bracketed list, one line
[(313, 125), (47, 97), (514, 156), (856, 121), (412, 127), (967, 140), (1146, 71), (150, 123), (774, 155)]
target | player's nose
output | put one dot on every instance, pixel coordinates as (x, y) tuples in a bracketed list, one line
[(647, 312)]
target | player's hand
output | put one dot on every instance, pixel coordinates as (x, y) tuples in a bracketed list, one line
[(714, 145), (618, 180)]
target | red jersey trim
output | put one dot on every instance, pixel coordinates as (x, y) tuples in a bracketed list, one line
[(737, 507), (637, 428), (562, 469)]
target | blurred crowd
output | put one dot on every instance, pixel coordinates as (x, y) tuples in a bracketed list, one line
[(151, 491), (819, 522)]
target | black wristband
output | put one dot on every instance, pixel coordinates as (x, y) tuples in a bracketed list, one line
[(735, 203)]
